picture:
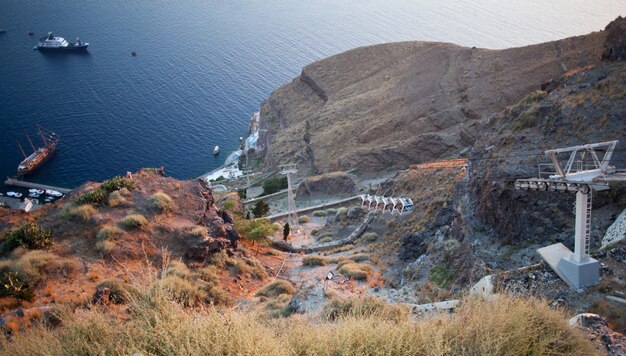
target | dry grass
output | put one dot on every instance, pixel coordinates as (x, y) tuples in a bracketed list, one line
[(193, 287), (304, 219), (508, 326), (325, 239), (276, 288), (315, 260), (199, 231), (364, 307), (342, 211), (117, 198), (79, 213), (161, 202), (105, 247), (120, 292), (354, 270), (133, 221), (108, 231), (27, 269), (250, 267), (369, 237)]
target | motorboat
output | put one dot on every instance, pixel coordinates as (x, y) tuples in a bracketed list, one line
[(14, 194), (53, 193)]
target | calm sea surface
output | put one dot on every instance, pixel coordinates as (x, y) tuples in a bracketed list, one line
[(204, 66)]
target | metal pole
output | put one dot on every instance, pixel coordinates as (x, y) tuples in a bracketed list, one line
[(580, 254)]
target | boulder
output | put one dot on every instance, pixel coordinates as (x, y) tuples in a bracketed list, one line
[(616, 232)]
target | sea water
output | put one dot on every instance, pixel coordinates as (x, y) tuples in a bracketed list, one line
[(203, 67)]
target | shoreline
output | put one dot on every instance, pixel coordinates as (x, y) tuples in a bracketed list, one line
[(230, 168)]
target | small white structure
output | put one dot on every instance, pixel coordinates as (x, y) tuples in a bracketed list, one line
[(387, 204), (26, 205), (583, 172)]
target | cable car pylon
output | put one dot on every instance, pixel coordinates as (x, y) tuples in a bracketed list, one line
[(585, 170)]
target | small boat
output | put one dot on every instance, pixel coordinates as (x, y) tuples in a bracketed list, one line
[(36, 191), (216, 150), (1, 194), (30, 33), (53, 193), (133, 53), (14, 194), (2, 30), (34, 195)]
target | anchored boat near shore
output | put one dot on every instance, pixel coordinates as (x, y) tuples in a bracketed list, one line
[(39, 155)]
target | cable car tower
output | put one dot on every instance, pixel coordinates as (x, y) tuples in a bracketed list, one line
[(289, 170), (587, 169)]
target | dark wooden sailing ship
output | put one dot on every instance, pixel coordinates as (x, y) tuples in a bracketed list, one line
[(40, 154)]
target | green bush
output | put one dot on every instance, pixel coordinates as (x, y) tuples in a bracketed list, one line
[(92, 197), (342, 211), (228, 205), (534, 97), (273, 185), (304, 219), (525, 120), (97, 196), (320, 213), (29, 236), (133, 221), (441, 276), (117, 183), (261, 208), (331, 211)]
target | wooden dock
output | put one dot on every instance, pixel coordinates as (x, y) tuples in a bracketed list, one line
[(23, 184)]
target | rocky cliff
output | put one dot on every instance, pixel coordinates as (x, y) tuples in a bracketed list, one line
[(386, 106)]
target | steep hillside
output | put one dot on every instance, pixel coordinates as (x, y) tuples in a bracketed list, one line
[(387, 106), (96, 244)]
